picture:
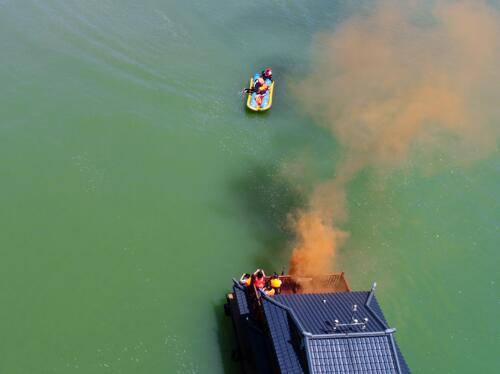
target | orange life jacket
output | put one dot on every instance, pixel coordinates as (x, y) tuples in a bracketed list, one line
[(270, 292)]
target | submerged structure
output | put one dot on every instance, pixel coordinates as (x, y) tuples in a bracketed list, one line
[(314, 325)]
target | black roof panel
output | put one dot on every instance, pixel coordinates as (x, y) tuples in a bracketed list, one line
[(317, 312), (370, 355), (325, 350), (241, 299), (277, 321)]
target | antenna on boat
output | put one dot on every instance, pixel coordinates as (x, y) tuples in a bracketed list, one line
[(353, 315), (354, 321)]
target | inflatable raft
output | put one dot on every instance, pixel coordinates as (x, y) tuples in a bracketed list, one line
[(267, 101)]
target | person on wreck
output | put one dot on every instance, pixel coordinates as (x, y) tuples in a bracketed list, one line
[(246, 279), (276, 283), (259, 278)]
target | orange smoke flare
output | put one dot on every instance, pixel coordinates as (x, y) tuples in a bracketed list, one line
[(390, 82), (315, 249)]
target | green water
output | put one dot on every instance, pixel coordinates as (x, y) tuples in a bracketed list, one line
[(134, 185)]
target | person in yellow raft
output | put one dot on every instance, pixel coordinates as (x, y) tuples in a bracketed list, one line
[(260, 88), (267, 74)]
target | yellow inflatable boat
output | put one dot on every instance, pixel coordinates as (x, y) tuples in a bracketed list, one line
[(267, 100)]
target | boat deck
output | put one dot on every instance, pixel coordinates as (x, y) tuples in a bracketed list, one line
[(335, 282)]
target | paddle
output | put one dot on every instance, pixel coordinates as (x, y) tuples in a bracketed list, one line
[(248, 90)]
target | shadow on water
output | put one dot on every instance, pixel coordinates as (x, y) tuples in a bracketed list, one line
[(226, 339), (267, 199), (252, 114)]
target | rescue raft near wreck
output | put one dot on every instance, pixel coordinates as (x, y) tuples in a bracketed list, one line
[(313, 325), (267, 99)]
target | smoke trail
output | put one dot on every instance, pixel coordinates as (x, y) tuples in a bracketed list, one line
[(399, 78)]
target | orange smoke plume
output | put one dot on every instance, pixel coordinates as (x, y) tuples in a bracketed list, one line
[(317, 242), (405, 77)]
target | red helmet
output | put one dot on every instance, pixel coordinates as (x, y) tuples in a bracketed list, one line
[(268, 72)]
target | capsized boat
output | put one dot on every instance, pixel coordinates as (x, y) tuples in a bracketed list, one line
[(267, 100), (315, 324)]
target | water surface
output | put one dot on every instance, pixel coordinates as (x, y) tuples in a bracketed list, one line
[(134, 185)]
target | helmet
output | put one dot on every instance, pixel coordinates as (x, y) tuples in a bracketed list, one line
[(268, 72), (261, 80)]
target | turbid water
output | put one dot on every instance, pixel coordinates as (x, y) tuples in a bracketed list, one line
[(134, 185)]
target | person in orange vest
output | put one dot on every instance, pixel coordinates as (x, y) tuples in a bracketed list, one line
[(246, 279), (259, 278), (260, 88), (269, 291), (276, 283), (260, 85)]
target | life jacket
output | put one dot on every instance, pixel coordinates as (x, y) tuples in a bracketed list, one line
[(248, 281), (259, 282), (263, 88), (258, 83), (270, 292), (275, 283)]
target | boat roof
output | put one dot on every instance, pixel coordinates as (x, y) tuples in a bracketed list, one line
[(241, 299), (306, 339)]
